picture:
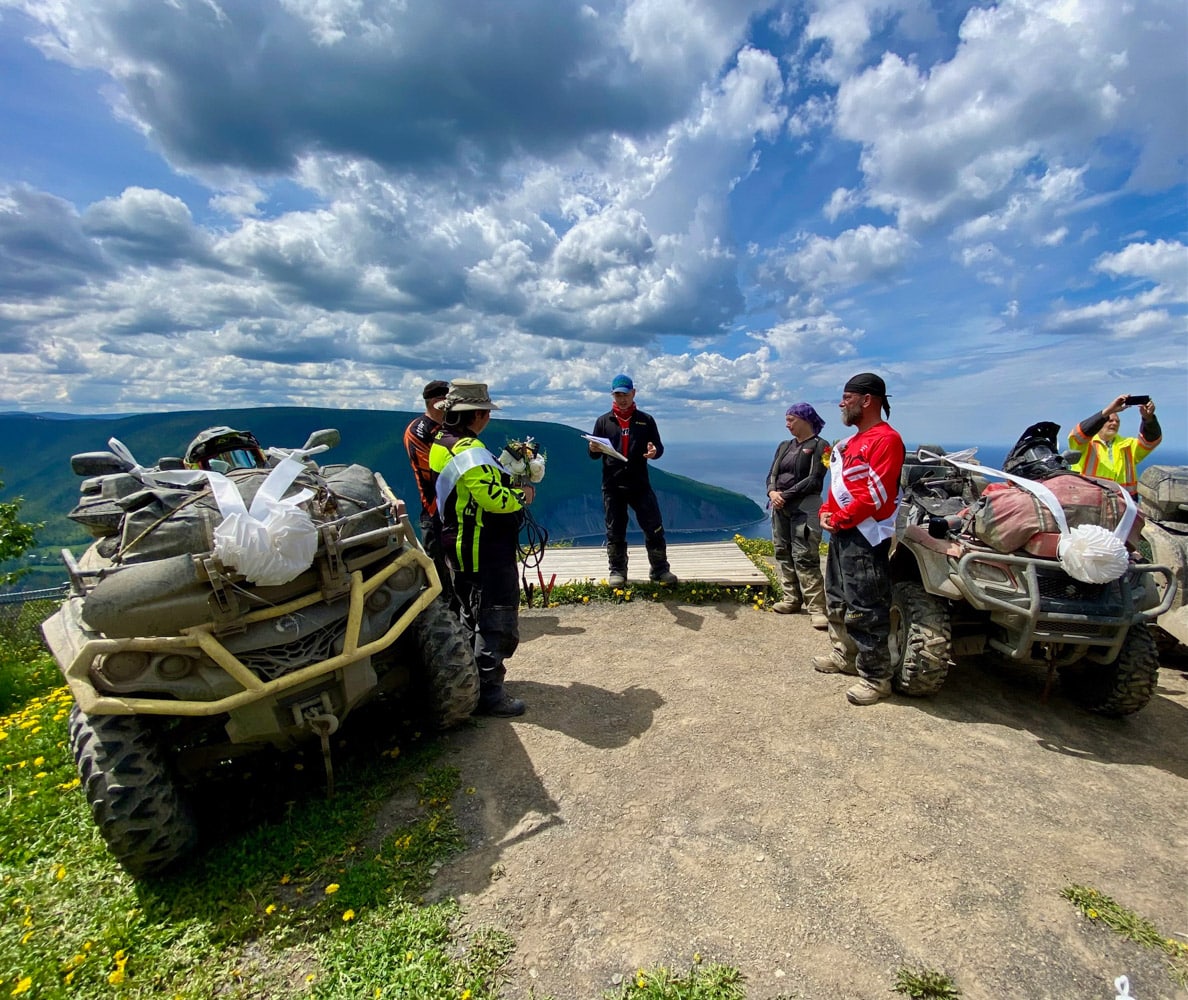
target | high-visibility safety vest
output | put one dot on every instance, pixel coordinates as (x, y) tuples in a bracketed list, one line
[(1117, 460)]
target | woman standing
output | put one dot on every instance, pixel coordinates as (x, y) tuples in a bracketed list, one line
[(794, 496)]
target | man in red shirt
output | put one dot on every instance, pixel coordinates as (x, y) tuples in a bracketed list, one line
[(859, 514), (418, 438)]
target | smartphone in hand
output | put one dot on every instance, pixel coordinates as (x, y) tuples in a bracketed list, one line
[(1137, 400)]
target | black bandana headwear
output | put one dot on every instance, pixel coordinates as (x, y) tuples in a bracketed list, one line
[(869, 382)]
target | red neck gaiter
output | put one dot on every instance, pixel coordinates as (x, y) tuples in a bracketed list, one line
[(623, 415)]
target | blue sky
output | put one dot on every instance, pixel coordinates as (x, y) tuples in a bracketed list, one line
[(328, 202)]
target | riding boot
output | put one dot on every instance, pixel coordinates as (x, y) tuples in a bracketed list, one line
[(658, 558), (493, 699), (616, 557)]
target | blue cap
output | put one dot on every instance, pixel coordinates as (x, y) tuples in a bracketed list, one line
[(622, 383)]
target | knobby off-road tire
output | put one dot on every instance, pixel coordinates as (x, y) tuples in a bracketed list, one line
[(134, 799), (921, 640), (449, 675), (1122, 687)]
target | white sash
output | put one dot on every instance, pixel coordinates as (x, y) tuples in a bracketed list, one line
[(458, 464), (874, 531)]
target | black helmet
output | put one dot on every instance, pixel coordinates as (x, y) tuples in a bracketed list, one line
[(233, 449), (1036, 454)]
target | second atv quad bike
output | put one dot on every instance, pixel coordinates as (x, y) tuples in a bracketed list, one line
[(955, 595), (177, 662)]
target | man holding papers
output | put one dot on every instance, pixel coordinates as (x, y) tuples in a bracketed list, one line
[(626, 438)]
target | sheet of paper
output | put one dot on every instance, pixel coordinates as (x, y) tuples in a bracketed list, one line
[(603, 445)]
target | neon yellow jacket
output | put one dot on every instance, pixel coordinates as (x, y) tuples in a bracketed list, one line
[(1117, 460), (480, 518)]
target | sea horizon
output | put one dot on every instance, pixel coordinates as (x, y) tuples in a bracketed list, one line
[(742, 467)]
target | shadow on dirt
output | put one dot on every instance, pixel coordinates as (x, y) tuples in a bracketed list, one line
[(537, 627), (593, 715), (986, 690), (513, 802)]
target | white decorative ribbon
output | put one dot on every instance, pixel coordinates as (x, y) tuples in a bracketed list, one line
[(1089, 552)]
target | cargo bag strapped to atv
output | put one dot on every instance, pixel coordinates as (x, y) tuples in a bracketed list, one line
[(194, 633)]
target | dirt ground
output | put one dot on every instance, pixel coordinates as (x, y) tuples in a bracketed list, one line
[(683, 782)]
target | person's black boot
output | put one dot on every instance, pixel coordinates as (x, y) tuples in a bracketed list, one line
[(616, 557), (657, 548), (493, 699), (502, 706)]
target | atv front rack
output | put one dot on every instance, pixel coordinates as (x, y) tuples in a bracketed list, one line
[(1043, 604), (202, 639)]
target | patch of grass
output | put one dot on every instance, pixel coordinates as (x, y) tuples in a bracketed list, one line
[(592, 591), (1100, 908), (303, 897), (925, 984), (26, 668), (702, 982)]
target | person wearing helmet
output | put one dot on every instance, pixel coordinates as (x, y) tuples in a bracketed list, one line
[(1106, 455), (221, 449)]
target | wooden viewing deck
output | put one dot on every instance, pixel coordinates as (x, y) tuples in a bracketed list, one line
[(703, 562)]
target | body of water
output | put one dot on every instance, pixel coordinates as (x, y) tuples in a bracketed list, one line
[(743, 467)]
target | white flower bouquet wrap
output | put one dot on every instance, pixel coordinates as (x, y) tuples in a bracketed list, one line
[(525, 460)]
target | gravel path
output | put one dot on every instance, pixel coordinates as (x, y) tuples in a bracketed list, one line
[(684, 783)]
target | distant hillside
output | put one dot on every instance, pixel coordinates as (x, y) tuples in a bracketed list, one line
[(568, 503)]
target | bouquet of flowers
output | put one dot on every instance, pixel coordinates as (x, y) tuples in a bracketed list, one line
[(525, 460)]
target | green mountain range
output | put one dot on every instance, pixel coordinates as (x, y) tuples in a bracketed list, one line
[(568, 502)]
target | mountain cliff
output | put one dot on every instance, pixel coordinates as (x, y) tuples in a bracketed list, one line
[(568, 502)]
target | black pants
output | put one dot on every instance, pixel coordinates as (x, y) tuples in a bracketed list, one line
[(489, 603), (435, 550), (858, 602), (642, 501)]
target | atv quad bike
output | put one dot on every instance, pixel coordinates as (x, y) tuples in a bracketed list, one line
[(953, 595), (177, 663), (1163, 501)]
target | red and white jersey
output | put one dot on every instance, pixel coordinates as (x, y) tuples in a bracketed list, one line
[(864, 482)]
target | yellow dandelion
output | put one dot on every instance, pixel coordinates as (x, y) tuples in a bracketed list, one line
[(270, 909), (310, 978), (696, 958), (465, 995), (585, 599), (60, 872), (1091, 913), (331, 889), (22, 987), (25, 937), (38, 761), (348, 915)]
